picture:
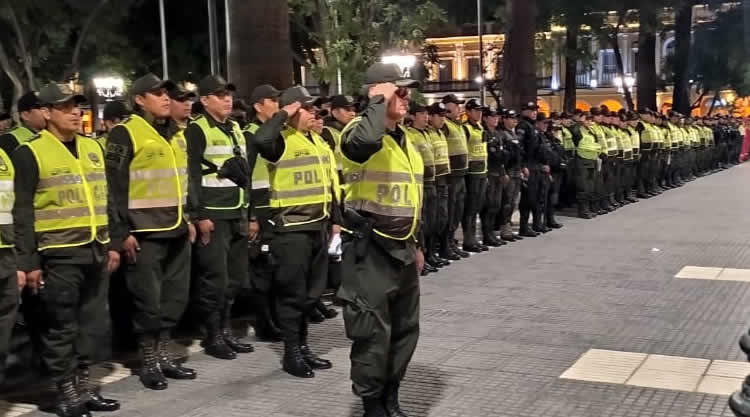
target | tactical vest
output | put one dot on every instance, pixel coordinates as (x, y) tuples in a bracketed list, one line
[(336, 135), (567, 140), (458, 150), (601, 138), (422, 143), (588, 147), (477, 150), (635, 141), (7, 198), (221, 193), (439, 152), (102, 140), (624, 144), (666, 136), (647, 137), (157, 192), (70, 200), (260, 179), (22, 134), (388, 187), (676, 135), (610, 140), (301, 179)]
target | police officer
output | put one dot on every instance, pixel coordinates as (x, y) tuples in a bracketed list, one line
[(5, 122), (304, 211), (219, 185), (516, 171), (62, 246), (12, 279), (569, 130), (265, 104), (647, 144), (558, 162), (496, 176), (32, 121), (534, 195), (113, 114), (146, 165), (381, 286), (476, 176), (443, 256), (341, 113), (459, 159), (588, 167), (180, 105)]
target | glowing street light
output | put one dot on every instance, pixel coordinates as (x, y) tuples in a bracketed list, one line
[(479, 79), (109, 87), (405, 62)]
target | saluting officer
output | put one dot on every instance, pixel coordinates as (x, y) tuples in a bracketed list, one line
[(218, 192), (146, 164), (62, 244), (381, 287), (32, 121), (303, 213)]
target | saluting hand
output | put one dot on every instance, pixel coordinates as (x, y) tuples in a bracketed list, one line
[(21, 280), (205, 227), (131, 248), (34, 281), (387, 90), (291, 109), (113, 261)]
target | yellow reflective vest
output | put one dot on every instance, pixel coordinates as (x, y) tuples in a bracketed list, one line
[(439, 152), (421, 140), (388, 186), (70, 200), (477, 149), (567, 140), (458, 150), (588, 147), (336, 135), (22, 134), (259, 180), (635, 141), (158, 178), (676, 135), (7, 198)]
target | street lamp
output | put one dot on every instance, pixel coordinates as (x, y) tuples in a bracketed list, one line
[(404, 62), (109, 87)]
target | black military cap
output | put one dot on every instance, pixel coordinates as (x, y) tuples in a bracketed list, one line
[(554, 115), (263, 92), (54, 93), (604, 108), (490, 111), (4, 116), (321, 101), (341, 102), (388, 73), (509, 114), (578, 112), (179, 93), (644, 111), (28, 101), (415, 107), (472, 105), (530, 106), (452, 98), (436, 108), (150, 82), (565, 115), (675, 114), (595, 111), (293, 94), (115, 110), (212, 84)]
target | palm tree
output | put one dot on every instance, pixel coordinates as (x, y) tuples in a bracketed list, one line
[(261, 50)]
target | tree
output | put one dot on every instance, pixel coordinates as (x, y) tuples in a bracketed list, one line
[(261, 50), (519, 79), (647, 72), (683, 27)]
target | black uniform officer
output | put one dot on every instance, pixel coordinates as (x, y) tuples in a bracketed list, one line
[(558, 161), (303, 206), (496, 176), (514, 156), (12, 280), (534, 195), (264, 101), (113, 114), (5, 122), (218, 191), (32, 121), (63, 247), (381, 285), (149, 224)]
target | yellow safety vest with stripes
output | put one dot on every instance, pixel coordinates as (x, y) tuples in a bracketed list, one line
[(260, 180), (158, 178), (336, 135), (588, 147), (635, 141), (421, 141), (676, 135), (221, 193), (22, 134), (623, 143), (567, 140), (439, 152), (458, 150), (301, 179), (388, 186), (610, 139), (477, 150), (7, 198), (70, 200)]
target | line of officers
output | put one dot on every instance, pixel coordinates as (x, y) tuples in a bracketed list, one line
[(189, 210)]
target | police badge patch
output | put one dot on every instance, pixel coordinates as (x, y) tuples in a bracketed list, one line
[(95, 159)]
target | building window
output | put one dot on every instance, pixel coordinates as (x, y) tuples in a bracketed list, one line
[(609, 63), (446, 70), (475, 69)]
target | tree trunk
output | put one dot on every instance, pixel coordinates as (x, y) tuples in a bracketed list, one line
[(519, 79), (26, 58), (646, 77), (683, 26), (15, 79), (262, 51), (81, 38), (621, 71), (571, 66)]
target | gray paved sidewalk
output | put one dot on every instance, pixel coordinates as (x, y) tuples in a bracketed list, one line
[(499, 329)]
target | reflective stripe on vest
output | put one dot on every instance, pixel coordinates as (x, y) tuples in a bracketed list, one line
[(635, 140), (70, 203), (588, 147), (157, 191), (458, 150), (218, 193), (439, 152), (421, 141), (260, 181), (610, 137), (567, 139), (7, 198), (336, 135), (477, 150), (302, 176), (388, 186)]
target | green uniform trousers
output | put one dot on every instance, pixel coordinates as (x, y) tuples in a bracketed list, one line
[(8, 304), (381, 315), (587, 177), (159, 283)]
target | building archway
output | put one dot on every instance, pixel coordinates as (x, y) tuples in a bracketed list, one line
[(543, 106), (583, 105), (612, 104)]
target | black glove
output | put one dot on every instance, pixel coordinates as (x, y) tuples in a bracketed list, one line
[(237, 170)]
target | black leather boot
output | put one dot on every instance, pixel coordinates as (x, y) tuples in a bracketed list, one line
[(214, 343), (294, 363), (90, 393), (169, 366), (739, 402), (150, 374), (390, 401), (226, 331), (313, 360), (583, 212), (69, 403), (374, 407)]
